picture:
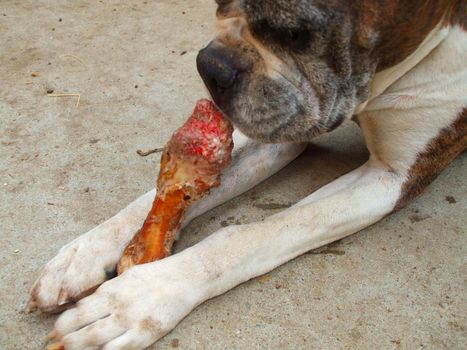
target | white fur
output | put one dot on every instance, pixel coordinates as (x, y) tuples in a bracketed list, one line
[(387, 77), (100, 249), (134, 310), (401, 121)]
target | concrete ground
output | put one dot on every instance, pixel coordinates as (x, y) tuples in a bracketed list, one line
[(399, 284)]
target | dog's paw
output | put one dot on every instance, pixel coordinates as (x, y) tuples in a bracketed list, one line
[(78, 268), (131, 311)]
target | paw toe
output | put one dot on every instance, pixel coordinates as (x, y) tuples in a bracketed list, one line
[(134, 339), (96, 334), (85, 313)]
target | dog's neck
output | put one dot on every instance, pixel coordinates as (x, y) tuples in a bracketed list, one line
[(395, 57), (394, 29), (383, 79)]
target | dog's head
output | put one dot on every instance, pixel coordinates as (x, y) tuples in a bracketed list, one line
[(284, 70), (288, 70)]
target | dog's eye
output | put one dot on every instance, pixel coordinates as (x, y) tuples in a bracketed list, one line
[(295, 39), (299, 38)]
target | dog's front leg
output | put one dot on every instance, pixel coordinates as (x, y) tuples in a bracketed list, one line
[(90, 259), (140, 306)]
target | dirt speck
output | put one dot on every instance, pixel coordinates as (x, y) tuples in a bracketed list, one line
[(175, 343), (356, 335), (151, 325), (450, 199), (264, 279), (417, 218), (231, 221), (272, 206), (327, 252)]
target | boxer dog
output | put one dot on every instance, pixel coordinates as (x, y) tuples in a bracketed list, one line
[(283, 71)]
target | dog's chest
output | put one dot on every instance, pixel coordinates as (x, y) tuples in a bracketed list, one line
[(422, 98)]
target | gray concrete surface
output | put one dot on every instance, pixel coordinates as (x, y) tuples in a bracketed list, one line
[(64, 169)]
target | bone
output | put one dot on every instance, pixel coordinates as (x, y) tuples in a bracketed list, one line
[(190, 166), (56, 346)]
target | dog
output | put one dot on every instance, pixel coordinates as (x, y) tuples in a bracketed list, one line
[(283, 71)]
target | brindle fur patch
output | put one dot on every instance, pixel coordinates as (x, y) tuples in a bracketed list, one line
[(459, 14), (438, 154), (401, 26)]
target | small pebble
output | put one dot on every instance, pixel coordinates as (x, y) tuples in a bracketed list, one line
[(263, 279), (16, 251), (50, 91), (34, 74)]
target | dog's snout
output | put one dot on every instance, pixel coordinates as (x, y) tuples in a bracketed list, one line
[(215, 68), (219, 68)]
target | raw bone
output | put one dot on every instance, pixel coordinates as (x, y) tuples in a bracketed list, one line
[(191, 165)]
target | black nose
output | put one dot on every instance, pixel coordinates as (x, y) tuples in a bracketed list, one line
[(219, 68)]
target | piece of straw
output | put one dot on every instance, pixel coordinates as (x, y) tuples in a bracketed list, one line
[(76, 58), (148, 152), (67, 95)]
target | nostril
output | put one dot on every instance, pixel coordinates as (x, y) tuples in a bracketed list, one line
[(216, 69), (224, 76), (213, 83)]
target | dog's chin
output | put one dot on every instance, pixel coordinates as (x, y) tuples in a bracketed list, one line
[(260, 126), (277, 111), (264, 120), (270, 122)]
